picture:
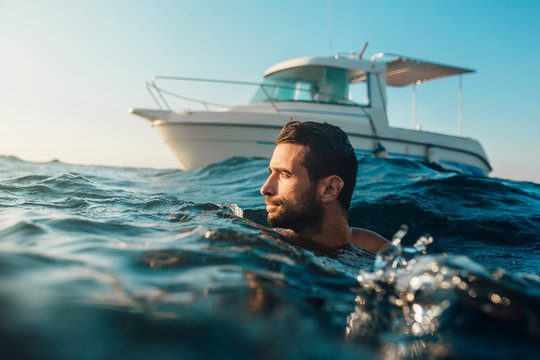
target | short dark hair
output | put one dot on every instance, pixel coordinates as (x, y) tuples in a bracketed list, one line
[(329, 152)]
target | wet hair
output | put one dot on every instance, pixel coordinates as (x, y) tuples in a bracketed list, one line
[(329, 152)]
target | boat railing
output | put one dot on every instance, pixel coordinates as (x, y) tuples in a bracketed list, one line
[(159, 94)]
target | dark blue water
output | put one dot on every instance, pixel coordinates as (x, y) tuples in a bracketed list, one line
[(101, 262)]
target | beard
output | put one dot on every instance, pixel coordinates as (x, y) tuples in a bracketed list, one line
[(304, 217)]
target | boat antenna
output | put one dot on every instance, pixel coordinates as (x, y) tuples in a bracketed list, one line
[(362, 51), (329, 28)]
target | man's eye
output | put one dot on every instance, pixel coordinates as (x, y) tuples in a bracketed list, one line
[(284, 175)]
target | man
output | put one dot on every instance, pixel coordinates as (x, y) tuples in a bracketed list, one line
[(311, 182)]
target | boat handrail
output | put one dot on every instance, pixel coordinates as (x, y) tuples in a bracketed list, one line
[(170, 93), (160, 91), (157, 93)]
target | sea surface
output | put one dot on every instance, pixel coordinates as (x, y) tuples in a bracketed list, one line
[(128, 263)]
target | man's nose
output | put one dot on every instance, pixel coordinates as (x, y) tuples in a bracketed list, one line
[(268, 188)]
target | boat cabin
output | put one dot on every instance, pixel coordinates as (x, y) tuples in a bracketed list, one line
[(328, 80), (345, 81)]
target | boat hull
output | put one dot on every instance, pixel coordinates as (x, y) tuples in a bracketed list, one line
[(203, 138)]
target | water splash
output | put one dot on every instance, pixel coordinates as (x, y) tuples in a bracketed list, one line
[(410, 299)]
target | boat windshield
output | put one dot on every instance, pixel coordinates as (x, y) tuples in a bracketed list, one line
[(317, 84)]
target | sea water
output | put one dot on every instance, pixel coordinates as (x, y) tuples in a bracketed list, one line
[(103, 262)]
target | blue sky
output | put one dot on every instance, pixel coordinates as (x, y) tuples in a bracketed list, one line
[(70, 70)]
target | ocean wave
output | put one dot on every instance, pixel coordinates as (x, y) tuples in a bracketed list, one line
[(182, 263)]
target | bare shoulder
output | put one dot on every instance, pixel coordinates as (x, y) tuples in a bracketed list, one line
[(368, 240)]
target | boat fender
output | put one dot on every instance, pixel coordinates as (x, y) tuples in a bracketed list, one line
[(433, 154), (380, 151)]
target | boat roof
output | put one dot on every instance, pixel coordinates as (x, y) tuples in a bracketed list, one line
[(400, 70), (403, 71)]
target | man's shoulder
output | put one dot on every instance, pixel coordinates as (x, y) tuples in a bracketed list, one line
[(368, 240)]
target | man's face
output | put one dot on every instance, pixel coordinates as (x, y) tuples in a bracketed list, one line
[(290, 197)]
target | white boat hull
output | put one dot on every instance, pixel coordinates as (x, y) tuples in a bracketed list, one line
[(202, 138)]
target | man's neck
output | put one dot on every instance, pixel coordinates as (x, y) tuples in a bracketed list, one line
[(334, 230)]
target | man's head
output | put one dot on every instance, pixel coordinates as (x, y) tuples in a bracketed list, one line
[(313, 164)]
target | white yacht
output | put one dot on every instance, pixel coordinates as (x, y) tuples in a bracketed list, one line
[(349, 92)]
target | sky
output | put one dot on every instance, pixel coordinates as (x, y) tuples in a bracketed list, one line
[(71, 70)]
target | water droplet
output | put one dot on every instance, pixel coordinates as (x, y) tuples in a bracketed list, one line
[(495, 298), (416, 329), (415, 283)]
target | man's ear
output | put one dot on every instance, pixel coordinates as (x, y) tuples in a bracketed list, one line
[(330, 187)]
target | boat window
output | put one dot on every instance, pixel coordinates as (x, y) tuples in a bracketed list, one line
[(358, 93), (318, 84)]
